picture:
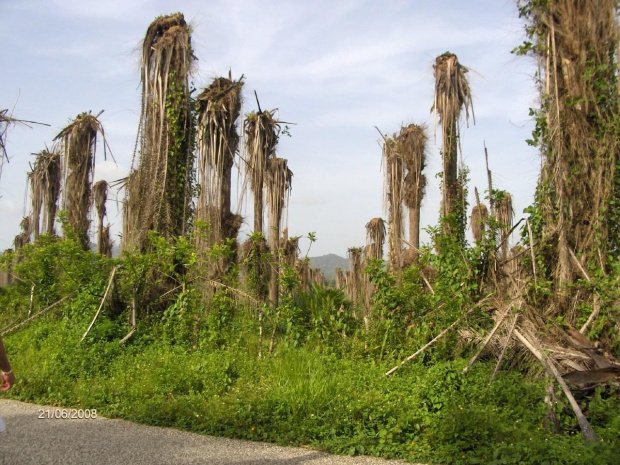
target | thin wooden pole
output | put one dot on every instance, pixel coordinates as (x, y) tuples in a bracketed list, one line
[(586, 429), (105, 295), (435, 339), (45, 310), (486, 341), (501, 356)]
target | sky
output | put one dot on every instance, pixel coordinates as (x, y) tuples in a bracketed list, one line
[(334, 69)]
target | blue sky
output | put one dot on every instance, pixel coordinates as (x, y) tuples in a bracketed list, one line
[(336, 69)]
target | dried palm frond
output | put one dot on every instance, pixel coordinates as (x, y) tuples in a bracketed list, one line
[(261, 138), (479, 216), (375, 238), (77, 147), (219, 106), (412, 147), (5, 121), (159, 189), (452, 94)]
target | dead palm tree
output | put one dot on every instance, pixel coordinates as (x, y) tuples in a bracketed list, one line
[(318, 277), (278, 181), (6, 272), (375, 238), (452, 95), (290, 249), (577, 49), (504, 215), (45, 180), (261, 137), (159, 191), (304, 274), (23, 237), (36, 198), (412, 147), (219, 106), (255, 267), (100, 197), (394, 195), (479, 216), (339, 279), (354, 275), (78, 143)]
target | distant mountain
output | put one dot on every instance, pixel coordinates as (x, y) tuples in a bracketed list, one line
[(329, 263)]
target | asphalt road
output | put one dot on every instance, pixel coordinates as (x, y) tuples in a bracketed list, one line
[(33, 440)]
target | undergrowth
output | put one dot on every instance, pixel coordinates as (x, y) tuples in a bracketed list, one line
[(193, 364)]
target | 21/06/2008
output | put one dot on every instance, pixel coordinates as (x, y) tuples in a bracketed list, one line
[(67, 414)]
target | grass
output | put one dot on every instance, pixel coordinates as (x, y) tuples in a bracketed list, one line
[(302, 396)]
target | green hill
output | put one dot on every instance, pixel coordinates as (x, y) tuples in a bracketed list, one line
[(328, 264)]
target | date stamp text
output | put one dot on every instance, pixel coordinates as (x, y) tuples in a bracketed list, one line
[(67, 413)]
